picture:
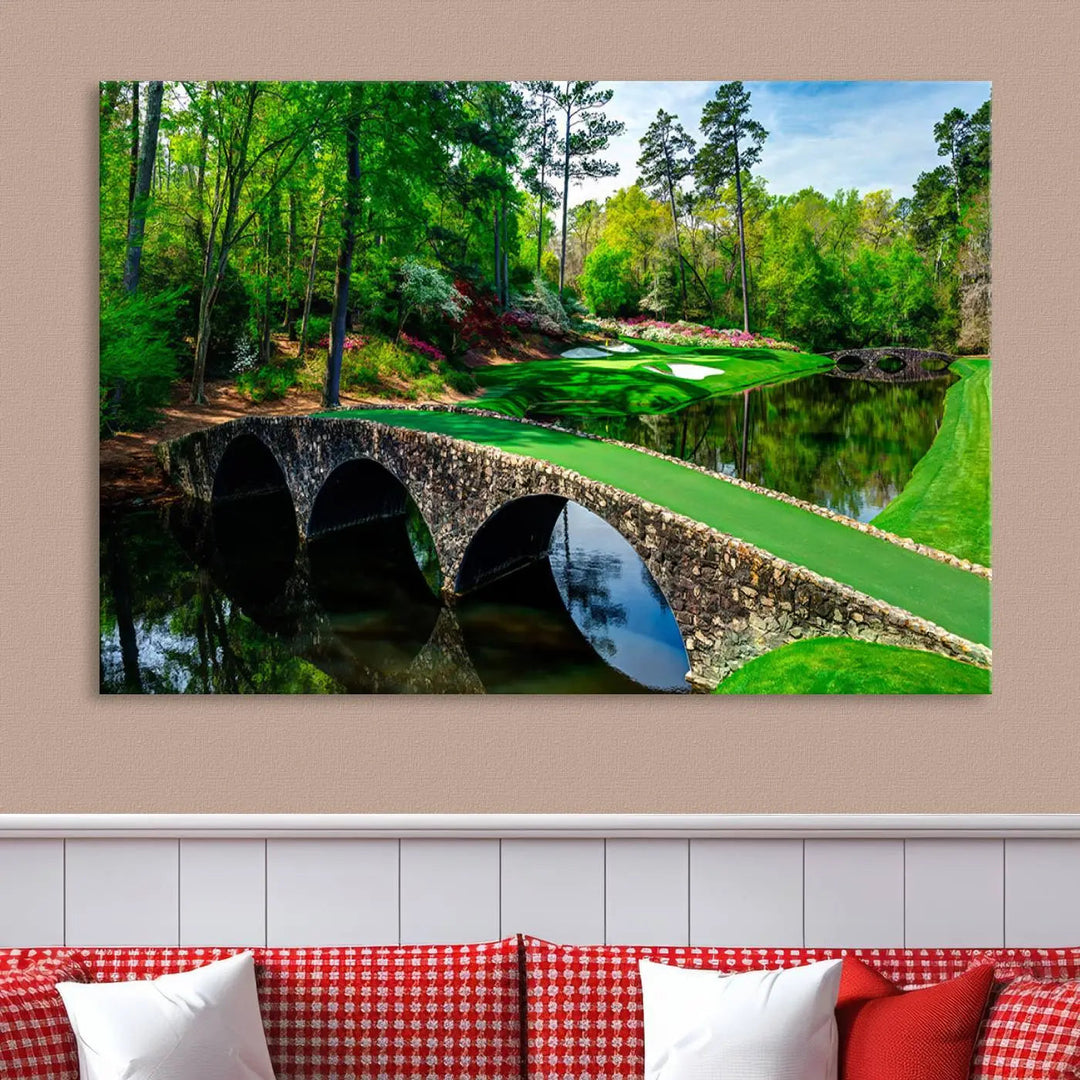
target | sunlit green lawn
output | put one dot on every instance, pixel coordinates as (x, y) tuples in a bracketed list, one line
[(946, 503), (844, 666), (622, 385)]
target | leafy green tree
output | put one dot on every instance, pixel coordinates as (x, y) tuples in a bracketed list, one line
[(586, 134), (667, 159), (607, 281), (725, 122)]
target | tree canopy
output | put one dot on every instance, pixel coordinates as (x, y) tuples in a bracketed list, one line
[(256, 229)]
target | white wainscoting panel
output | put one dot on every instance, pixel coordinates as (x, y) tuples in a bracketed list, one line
[(31, 892), (911, 880), (449, 891), (223, 892), (746, 892), (332, 892), (554, 889), (1042, 892), (954, 893), (647, 892), (854, 893), (122, 892)]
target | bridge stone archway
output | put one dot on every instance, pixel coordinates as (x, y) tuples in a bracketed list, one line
[(896, 364), (731, 600)]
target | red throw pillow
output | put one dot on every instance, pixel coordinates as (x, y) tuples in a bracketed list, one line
[(891, 1034), (36, 1039), (1031, 1033)]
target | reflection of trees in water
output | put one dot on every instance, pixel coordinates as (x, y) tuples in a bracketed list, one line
[(188, 636), (834, 442), (587, 576)]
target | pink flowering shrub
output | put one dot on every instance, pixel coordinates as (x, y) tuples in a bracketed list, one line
[(689, 334), (352, 341), (422, 347)]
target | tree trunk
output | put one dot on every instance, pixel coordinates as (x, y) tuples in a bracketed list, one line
[(498, 254), (134, 173), (543, 180), (540, 227), (288, 323), (311, 279), (202, 343), (505, 256), (264, 336), (332, 387), (678, 246), (742, 240), (565, 200), (142, 187)]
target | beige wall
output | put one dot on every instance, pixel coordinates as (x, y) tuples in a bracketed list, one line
[(63, 748)]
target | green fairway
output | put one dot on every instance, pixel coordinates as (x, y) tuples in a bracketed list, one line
[(844, 666), (946, 595), (946, 503), (622, 385)]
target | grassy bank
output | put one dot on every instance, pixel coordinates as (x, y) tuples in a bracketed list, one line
[(946, 595), (622, 385), (946, 503), (843, 666)]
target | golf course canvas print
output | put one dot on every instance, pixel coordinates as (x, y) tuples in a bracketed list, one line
[(545, 387)]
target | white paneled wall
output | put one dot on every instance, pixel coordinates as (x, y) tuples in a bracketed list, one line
[(294, 890)]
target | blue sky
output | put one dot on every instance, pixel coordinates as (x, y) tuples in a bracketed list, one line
[(826, 135)]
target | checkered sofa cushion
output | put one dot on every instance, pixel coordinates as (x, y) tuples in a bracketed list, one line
[(1031, 1032), (1032, 963), (36, 1040), (410, 1012), (584, 1017)]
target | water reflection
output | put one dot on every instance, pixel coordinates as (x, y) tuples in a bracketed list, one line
[(214, 601), (844, 444)]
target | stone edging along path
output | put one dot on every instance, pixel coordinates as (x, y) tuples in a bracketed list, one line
[(779, 496)]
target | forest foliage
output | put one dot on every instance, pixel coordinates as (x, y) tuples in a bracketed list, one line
[(368, 235)]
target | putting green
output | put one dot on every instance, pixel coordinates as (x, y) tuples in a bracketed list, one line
[(946, 503), (623, 384), (953, 598), (844, 666)]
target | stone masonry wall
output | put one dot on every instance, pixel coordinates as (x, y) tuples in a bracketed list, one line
[(732, 601)]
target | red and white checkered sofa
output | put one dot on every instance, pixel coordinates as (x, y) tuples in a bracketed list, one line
[(584, 1016), (526, 1009), (443, 1012)]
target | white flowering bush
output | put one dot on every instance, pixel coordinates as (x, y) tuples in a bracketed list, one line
[(245, 356), (546, 305), (429, 292)]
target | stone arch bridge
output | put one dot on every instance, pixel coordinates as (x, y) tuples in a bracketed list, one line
[(895, 364), (490, 512)]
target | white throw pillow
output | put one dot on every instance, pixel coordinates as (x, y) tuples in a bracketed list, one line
[(756, 1025), (198, 1025)]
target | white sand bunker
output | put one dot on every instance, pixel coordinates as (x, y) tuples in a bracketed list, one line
[(697, 372), (620, 346), (584, 354)]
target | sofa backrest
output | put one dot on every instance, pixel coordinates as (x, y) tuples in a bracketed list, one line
[(583, 1002), (409, 1012)]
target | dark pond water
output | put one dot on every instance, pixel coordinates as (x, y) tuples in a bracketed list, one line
[(228, 602), (846, 444)]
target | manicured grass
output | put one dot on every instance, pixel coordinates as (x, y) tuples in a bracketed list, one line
[(844, 666), (946, 503), (946, 595), (622, 384)]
